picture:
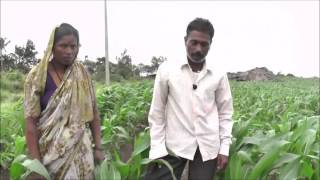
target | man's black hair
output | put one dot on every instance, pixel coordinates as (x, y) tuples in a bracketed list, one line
[(202, 25)]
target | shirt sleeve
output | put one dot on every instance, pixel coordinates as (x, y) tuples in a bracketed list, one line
[(156, 116), (225, 110)]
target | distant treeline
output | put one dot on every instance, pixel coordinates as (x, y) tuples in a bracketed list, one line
[(24, 57)]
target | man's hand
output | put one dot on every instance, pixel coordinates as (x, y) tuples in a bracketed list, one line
[(222, 162)]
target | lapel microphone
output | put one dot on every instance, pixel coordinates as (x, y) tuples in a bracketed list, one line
[(194, 86)]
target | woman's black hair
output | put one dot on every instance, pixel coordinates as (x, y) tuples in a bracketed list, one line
[(63, 30)]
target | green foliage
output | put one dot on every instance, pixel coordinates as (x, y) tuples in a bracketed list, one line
[(21, 167), (123, 69), (276, 130), (12, 140), (22, 59), (125, 104), (275, 133), (124, 117), (11, 88), (114, 168)]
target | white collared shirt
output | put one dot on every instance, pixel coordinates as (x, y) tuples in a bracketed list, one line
[(182, 118)]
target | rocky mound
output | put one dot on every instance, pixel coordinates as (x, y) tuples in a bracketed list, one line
[(256, 74)]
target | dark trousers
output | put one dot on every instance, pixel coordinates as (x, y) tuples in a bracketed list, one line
[(198, 170)]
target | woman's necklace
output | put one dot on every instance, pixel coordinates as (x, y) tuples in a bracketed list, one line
[(55, 70)]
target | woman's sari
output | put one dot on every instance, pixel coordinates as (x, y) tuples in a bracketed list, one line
[(65, 141)]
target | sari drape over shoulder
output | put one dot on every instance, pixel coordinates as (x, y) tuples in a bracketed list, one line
[(65, 141)]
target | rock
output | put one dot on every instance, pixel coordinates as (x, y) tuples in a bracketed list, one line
[(256, 74)]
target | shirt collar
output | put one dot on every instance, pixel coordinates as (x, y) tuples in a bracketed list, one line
[(206, 66)]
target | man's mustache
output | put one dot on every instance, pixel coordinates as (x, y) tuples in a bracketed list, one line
[(197, 54)]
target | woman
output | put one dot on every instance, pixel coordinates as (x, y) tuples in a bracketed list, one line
[(61, 114)]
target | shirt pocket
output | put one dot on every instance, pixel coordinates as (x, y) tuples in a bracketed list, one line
[(208, 95), (178, 87), (208, 100)]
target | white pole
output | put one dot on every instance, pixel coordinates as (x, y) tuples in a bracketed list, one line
[(106, 44)]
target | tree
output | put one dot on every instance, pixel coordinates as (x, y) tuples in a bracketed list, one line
[(125, 68), (156, 61), (25, 56), (149, 70), (139, 69), (8, 62), (3, 44), (136, 70), (30, 54), (90, 65), (99, 73)]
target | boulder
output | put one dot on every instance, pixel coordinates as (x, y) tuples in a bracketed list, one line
[(256, 74)]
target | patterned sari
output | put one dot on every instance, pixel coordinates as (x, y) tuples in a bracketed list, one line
[(65, 141)]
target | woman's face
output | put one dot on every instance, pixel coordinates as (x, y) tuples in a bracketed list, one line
[(65, 50)]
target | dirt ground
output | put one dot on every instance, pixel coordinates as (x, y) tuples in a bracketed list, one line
[(4, 174)]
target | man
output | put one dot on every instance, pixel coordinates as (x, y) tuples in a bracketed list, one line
[(191, 111)]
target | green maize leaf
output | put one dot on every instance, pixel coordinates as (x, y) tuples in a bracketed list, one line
[(20, 145), (290, 171), (142, 143), (244, 156), (123, 133), (25, 175), (313, 157), (114, 173), (242, 129), (316, 146), (250, 140), (123, 168), (299, 131), (20, 158), (235, 170), (285, 158), (269, 144), (107, 171), (146, 161), (16, 168), (135, 167), (36, 166), (266, 162), (162, 161), (309, 138), (306, 170), (16, 171), (316, 175), (97, 170), (246, 168)]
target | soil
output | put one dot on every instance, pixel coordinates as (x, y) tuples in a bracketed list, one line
[(4, 174)]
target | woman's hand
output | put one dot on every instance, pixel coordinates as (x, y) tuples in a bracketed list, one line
[(98, 156)]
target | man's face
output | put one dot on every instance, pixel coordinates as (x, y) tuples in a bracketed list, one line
[(197, 46)]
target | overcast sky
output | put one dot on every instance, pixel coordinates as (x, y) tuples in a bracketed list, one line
[(280, 35)]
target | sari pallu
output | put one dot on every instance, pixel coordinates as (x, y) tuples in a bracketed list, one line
[(65, 141)]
